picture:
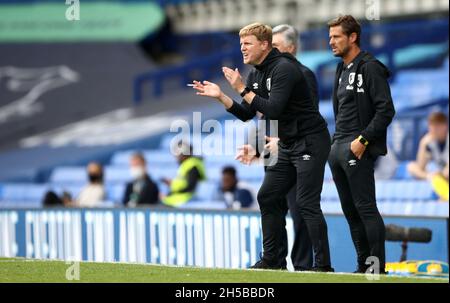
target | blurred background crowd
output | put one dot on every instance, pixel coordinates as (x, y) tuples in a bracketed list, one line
[(86, 106)]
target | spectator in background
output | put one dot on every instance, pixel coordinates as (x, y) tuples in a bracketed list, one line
[(51, 199), (232, 192), (142, 190), (93, 194), (190, 172), (433, 147)]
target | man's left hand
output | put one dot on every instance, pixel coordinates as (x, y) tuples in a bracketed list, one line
[(357, 148), (234, 78)]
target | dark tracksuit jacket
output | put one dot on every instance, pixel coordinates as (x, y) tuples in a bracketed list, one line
[(354, 178), (278, 74), (375, 107), (283, 94)]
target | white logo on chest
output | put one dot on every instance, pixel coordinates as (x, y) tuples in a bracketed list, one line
[(360, 83), (351, 78)]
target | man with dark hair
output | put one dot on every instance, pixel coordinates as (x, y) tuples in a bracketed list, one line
[(277, 88), (363, 110), (142, 190), (232, 192)]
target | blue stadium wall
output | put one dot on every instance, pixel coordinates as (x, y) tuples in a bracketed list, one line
[(179, 237)]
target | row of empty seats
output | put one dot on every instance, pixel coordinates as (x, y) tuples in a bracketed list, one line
[(225, 15), (66, 175), (386, 190)]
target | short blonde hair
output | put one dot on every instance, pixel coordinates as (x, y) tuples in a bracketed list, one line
[(261, 31)]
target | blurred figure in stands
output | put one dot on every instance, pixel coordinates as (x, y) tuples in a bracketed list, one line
[(433, 147), (190, 172), (93, 194), (234, 193), (142, 190), (51, 199)]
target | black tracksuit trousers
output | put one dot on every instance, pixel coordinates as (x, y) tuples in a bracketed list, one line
[(355, 184), (301, 163), (302, 252)]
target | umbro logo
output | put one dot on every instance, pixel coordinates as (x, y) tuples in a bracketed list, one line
[(255, 85), (306, 157), (352, 162)]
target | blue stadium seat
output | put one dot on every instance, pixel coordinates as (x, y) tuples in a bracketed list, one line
[(69, 174), (402, 171), (205, 191), (153, 157), (417, 53), (331, 207), (403, 190), (328, 175), (115, 192), (23, 192), (329, 191)]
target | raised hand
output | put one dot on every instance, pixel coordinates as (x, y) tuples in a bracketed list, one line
[(207, 89), (234, 78)]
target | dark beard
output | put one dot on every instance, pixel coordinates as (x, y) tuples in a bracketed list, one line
[(343, 53)]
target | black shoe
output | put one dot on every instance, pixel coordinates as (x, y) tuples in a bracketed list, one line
[(263, 264), (322, 269)]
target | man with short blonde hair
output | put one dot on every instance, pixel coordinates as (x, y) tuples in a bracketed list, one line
[(277, 88), (260, 31)]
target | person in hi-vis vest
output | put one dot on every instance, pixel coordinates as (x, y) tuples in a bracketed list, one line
[(190, 172)]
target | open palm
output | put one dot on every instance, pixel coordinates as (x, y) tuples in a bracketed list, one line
[(207, 89)]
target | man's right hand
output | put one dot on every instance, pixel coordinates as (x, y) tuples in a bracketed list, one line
[(246, 154), (207, 89)]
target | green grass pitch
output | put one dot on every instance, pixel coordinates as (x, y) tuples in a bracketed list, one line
[(29, 270)]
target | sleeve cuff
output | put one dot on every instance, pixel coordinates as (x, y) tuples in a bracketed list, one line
[(232, 109), (254, 105), (367, 136)]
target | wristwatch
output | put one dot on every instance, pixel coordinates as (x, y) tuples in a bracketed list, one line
[(245, 91), (363, 140)]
